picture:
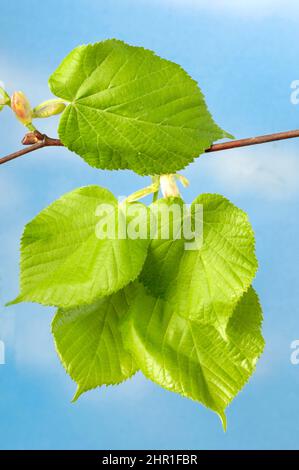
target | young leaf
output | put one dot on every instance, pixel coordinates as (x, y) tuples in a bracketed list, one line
[(63, 261), (212, 279), (204, 283), (166, 247), (4, 98), (131, 109), (89, 342), (192, 358)]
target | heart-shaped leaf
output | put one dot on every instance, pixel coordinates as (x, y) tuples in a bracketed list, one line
[(63, 260), (131, 109)]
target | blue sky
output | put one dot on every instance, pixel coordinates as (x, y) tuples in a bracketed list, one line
[(244, 56)]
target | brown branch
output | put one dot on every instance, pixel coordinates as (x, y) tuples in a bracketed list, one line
[(35, 141), (262, 139)]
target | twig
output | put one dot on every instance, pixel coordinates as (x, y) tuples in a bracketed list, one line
[(262, 139), (35, 141)]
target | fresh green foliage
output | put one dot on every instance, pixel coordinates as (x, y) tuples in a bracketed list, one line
[(4, 98), (161, 265), (204, 283), (190, 357), (181, 307), (210, 280), (131, 109), (89, 342), (64, 264)]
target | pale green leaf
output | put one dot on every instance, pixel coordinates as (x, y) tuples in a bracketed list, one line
[(166, 246), (192, 358), (205, 283), (131, 109), (212, 279), (89, 342), (64, 263)]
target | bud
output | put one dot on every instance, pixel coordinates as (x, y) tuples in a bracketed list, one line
[(49, 108), (21, 107), (4, 98), (168, 186), (30, 138)]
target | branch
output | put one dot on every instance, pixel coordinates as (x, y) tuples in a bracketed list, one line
[(262, 139), (35, 141)]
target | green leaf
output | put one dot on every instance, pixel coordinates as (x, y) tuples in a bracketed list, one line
[(205, 283), (131, 109), (4, 98), (192, 358), (89, 343), (164, 252), (64, 263), (212, 279)]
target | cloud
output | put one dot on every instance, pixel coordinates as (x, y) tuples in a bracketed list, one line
[(262, 172), (253, 7)]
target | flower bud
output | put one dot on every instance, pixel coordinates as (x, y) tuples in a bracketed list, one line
[(49, 108), (21, 107)]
